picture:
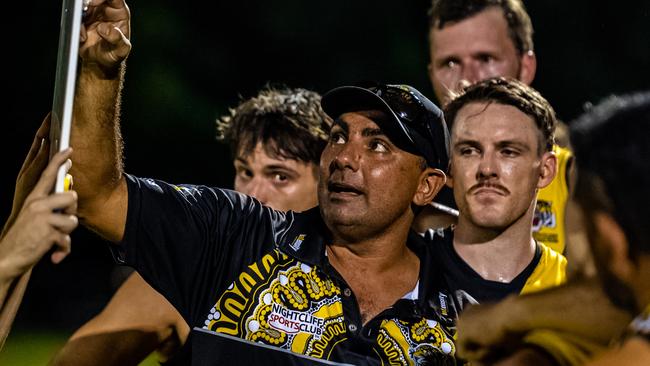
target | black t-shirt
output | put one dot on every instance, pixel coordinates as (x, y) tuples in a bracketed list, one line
[(234, 267), (464, 284)]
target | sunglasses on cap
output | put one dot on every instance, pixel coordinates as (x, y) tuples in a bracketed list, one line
[(420, 120)]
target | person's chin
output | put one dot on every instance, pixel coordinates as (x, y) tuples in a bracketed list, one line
[(342, 212), (493, 220), (487, 214)]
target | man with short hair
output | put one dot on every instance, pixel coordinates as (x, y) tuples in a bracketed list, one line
[(473, 40), (347, 281), (276, 139), (500, 156), (612, 195)]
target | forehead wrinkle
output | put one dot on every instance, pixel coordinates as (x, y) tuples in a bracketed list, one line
[(501, 132), (471, 116)]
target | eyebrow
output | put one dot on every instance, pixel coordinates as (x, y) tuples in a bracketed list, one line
[(500, 144), (371, 132), (341, 123), (284, 168), (367, 132), (515, 143), (473, 143)]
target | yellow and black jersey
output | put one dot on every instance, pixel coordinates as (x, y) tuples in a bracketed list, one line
[(256, 286), (549, 219), (466, 286), (549, 272)]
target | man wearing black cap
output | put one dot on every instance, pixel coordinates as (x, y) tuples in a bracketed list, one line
[(346, 281)]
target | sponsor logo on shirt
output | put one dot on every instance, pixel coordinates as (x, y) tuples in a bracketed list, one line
[(292, 322), (544, 216)]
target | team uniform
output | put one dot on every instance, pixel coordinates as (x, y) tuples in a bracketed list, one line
[(548, 222), (465, 286), (256, 286)]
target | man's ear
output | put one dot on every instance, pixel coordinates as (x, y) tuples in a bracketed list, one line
[(528, 67), (612, 240), (548, 169), (431, 182)]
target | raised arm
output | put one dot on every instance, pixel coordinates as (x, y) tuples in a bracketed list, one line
[(577, 316), (95, 132), (33, 228)]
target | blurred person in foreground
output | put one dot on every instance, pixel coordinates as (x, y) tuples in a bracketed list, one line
[(276, 139), (473, 40), (39, 221), (612, 196), (346, 281)]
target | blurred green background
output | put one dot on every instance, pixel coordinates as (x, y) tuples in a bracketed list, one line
[(192, 60)]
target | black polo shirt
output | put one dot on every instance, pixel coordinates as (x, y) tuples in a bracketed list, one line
[(237, 270), (464, 284)]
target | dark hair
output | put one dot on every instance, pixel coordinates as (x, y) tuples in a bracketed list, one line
[(289, 122), (612, 147), (520, 28), (508, 91)]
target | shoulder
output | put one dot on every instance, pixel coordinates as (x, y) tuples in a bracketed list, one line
[(549, 272)]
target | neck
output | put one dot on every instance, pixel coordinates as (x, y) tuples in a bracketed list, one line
[(496, 254), (377, 252)]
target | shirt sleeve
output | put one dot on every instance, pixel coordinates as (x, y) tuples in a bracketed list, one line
[(188, 241)]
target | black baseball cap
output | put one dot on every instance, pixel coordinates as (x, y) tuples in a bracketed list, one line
[(415, 124)]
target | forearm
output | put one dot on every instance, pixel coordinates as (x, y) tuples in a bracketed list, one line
[(5, 283), (8, 270), (579, 308), (95, 135), (136, 322), (96, 139), (125, 347)]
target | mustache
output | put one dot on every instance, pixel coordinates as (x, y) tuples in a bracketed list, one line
[(488, 185)]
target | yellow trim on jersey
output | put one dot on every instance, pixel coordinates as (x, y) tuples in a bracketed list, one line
[(565, 348), (548, 226), (550, 271)]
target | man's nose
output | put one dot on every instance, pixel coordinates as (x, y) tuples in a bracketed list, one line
[(347, 157), (487, 167), (471, 73)]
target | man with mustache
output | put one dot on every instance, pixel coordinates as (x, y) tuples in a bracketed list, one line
[(347, 281), (473, 40), (612, 197), (500, 156)]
